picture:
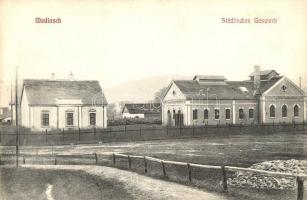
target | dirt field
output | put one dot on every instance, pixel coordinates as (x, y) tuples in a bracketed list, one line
[(238, 150)]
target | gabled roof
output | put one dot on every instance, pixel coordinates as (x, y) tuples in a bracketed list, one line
[(209, 77), (231, 90), (47, 92), (143, 108), (264, 72)]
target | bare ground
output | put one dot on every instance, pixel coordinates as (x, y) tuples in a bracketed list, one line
[(91, 182)]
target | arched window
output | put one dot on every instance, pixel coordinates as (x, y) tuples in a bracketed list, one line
[(272, 111), (284, 111), (251, 113), (206, 114), (195, 114), (227, 113), (217, 114), (241, 113), (296, 111)]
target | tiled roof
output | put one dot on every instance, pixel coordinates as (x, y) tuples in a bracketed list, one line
[(143, 108), (46, 92), (264, 72), (231, 90), (209, 77)]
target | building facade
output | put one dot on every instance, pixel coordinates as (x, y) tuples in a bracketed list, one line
[(266, 97), (62, 104), (142, 110)]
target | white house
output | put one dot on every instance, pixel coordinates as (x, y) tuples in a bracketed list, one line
[(142, 110), (56, 104)]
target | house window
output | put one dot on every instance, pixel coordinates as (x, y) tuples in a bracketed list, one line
[(241, 113), (284, 111), (272, 111), (227, 113), (216, 113), (45, 118), (92, 119), (206, 114), (69, 118), (195, 114), (296, 111), (251, 113)]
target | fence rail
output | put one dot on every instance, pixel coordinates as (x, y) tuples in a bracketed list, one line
[(223, 170), (112, 134), (184, 172)]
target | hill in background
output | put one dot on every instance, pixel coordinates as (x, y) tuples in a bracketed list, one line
[(142, 90)]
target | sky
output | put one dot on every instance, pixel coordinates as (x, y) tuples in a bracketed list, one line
[(124, 40)]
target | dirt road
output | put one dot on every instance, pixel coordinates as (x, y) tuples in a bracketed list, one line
[(90, 182)]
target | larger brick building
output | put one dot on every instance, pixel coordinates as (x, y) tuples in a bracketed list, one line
[(266, 97)]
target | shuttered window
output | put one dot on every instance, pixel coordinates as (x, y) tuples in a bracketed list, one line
[(69, 119), (45, 118), (93, 119)]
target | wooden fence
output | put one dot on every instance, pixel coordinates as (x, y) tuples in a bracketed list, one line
[(223, 170), (141, 133), (190, 172)]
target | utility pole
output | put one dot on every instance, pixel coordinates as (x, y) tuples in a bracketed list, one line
[(12, 111), (16, 118)]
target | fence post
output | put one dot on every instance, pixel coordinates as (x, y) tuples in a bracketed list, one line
[(63, 135), (129, 161), (163, 168), (114, 159), (46, 136), (193, 129), (300, 188), (224, 178), (55, 161), (145, 165), (180, 129), (167, 130), (79, 132), (96, 158), (24, 160), (0, 137), (189, 172), (140, 131)]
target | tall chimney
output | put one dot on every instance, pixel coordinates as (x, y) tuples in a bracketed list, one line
[(256, 79)]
